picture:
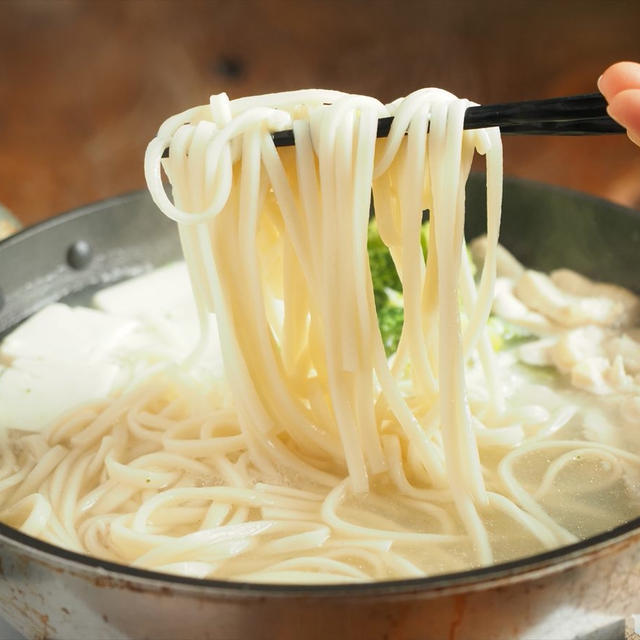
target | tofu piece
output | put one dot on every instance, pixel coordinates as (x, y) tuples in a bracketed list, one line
[(165, 291), (34, 392), (162, 301), (66, 334), (64, 356)]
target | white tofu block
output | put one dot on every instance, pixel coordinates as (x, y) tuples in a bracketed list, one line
[(67, 334), (35, 392), (160, 340), (165, 291), (62, 357), (162, 301)]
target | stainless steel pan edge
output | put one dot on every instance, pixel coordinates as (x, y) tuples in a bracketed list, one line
[(48, 595), (47, 592)]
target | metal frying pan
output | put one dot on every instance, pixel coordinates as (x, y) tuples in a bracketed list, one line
[(48, 592)]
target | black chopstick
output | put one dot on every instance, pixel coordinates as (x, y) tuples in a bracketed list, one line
[(582, 115), (566, 116), (581, 127), (567, 108)]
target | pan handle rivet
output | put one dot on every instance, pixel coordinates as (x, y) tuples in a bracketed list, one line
[(79, 254)]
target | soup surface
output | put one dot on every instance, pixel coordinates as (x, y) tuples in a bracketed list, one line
[(126, 485)]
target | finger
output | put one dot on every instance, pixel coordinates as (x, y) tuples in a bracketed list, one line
[(625, 109), (619, 77)]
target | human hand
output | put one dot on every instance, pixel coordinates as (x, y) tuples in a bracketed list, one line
[(620, 85)]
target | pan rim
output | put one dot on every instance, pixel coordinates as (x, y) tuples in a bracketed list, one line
[(551, 561)]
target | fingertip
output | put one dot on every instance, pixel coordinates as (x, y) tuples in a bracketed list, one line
[(624, 108), (619, 77)]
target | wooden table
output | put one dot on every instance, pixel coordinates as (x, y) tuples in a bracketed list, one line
[(85, 84)]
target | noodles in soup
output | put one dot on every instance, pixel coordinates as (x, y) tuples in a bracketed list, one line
[(501, 425)]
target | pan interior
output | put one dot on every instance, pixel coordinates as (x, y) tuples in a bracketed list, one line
[(545, 228)]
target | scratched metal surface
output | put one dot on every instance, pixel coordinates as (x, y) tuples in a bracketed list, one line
[(45, 596)]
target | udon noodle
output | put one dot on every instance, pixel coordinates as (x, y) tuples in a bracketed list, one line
[(318, 459)]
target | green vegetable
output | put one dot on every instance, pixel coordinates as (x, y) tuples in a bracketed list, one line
[(383, 271), (546, 375), (504, 335), (387, 290), (424, 239), (390, 320)]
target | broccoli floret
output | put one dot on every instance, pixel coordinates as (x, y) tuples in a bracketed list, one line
[(390, 320), (387, 290), (383, 271)]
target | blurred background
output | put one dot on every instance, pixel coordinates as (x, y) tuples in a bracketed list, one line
[(84, 84)]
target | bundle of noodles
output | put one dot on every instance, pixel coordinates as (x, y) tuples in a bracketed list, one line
[(264, 230)]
